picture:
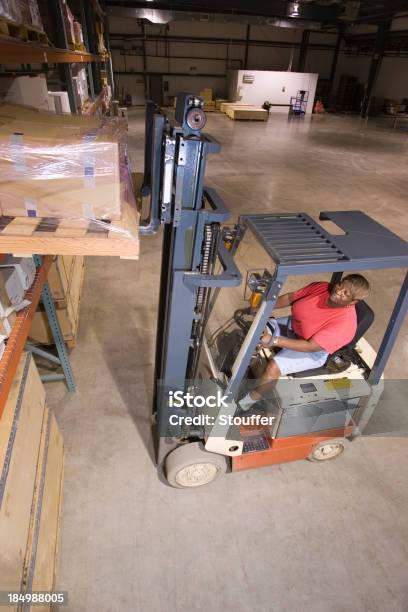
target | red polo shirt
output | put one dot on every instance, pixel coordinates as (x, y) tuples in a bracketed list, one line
[(331, 328)]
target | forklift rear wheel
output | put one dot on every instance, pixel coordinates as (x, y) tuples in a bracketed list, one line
[(330, 449), (191, 466)]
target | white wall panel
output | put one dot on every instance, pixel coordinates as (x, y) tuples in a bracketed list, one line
[(277, 87)]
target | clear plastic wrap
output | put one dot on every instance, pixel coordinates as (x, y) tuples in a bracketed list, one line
[(24, 12), (58, 166), (10, 10)]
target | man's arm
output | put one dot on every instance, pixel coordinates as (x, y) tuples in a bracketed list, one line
[(297, 344), (284, 300)]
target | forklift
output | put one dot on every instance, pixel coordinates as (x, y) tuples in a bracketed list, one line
[(218, 288)]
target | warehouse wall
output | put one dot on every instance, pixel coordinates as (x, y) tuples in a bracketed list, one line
[(391, 83), (206, 64), (193, 61)]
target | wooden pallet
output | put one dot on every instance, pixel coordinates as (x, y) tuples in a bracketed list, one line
[(247, 114), (224, 106), (52, 236), (22, 32)]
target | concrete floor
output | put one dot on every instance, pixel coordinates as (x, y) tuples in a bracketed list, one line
[(298, 537)]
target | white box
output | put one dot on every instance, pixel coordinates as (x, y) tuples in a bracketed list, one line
[(24, 267), (14, 286), (61, 101), (28, 91)]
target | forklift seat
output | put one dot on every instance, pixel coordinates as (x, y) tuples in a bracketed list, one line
[(365, 318)]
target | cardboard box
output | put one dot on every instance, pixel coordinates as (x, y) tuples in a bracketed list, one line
[(36, 20), (29, 13), (207, 94), (13, 112), (59, 169)]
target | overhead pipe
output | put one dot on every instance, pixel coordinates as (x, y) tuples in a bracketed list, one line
[(224, 41)]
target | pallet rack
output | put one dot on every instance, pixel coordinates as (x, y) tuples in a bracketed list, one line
[(21, 236), (14, 50), (18, 337)]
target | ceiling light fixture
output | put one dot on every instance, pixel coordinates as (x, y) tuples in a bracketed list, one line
[(294, 9)]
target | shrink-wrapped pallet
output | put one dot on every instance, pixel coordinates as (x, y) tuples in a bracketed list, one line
[(58, 166)]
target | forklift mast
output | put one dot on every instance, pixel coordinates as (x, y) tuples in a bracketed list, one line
[(175, 159)]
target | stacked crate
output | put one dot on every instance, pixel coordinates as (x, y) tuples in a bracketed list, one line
[(209, 103), (65, 280), (31, 461)]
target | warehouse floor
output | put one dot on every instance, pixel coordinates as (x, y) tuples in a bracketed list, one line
[(290, 538)]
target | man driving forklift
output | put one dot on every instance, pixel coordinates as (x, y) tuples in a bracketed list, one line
[(323, 319)]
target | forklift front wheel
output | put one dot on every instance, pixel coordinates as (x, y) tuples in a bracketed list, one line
[(329, 449), (190, 465)]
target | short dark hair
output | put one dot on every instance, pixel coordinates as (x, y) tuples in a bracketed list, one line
[(360, 287)]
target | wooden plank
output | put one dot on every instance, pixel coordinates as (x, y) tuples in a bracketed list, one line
[(20, 52), (21, 226), (46, 552), (74, 295), (60, 277), (40, 563), (36, 503), (72, 228), (117, 244), (225, 105), (20, 434)]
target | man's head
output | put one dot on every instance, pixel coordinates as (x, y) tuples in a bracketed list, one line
[(350, 290)]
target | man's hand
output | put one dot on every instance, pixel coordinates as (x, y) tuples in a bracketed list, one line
[(266, 340)]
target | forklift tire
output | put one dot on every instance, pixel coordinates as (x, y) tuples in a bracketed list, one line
[(329, 449), (190, 465)]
